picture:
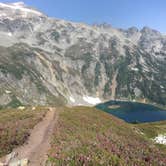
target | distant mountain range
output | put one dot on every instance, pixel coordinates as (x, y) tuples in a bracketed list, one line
[(47, 61)]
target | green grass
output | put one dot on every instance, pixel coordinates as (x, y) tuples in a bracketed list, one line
[(153, 129), (15, 126), (87, 136)]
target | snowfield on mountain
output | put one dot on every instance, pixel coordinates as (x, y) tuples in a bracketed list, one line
[(43, 60)]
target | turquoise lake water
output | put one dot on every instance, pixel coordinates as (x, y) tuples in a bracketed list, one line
[(134, 112)]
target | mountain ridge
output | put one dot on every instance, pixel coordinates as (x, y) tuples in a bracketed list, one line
[(50, 60)]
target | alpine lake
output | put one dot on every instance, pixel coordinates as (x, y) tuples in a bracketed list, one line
[(133, 112)]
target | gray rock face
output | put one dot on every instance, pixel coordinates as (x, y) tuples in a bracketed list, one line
[(46, 61)]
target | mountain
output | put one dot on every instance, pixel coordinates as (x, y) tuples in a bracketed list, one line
[(48, 61)]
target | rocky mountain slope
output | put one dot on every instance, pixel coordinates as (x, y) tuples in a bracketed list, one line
[(47, 61)]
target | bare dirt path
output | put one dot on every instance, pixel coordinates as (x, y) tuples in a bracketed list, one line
[(35, 150)]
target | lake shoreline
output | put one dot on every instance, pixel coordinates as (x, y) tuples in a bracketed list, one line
[(133, 111), (140, 102)]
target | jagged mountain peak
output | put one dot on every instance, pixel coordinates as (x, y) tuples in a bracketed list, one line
[(148, 30), (102, 25), (133, 29), (44, 59)]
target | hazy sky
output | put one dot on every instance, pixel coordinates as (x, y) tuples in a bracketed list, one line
[(118, 13)]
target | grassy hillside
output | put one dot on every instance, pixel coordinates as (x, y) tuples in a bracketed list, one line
[(86, 136), (152, 130), (15, 126)]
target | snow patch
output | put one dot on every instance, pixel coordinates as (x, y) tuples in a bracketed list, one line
[(3, 14), (134, 69), (160, 139), (7, 92), (20, 6), (9, 34), (161, 87), (91, 100), (72, 99)]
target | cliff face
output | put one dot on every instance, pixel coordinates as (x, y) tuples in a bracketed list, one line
[(46, 61)]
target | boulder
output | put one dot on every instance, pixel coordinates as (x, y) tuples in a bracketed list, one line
[(23, 162), (10, 157)]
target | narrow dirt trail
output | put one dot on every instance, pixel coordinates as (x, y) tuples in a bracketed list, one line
[(35, 150)]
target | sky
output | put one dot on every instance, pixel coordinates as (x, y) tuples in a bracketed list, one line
[(118, 13)]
